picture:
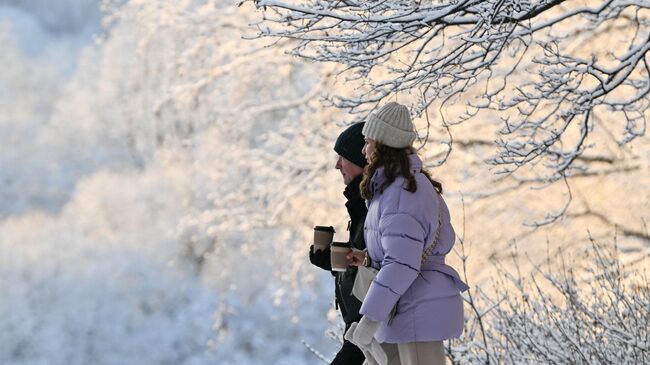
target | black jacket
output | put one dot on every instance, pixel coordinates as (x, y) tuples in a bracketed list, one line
[(357, 210)]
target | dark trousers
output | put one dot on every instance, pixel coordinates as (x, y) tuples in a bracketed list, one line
[(349, 354)]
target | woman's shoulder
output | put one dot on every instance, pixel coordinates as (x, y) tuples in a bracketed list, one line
[(396, 199)]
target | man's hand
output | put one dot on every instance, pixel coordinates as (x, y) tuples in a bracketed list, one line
[(321, 258)]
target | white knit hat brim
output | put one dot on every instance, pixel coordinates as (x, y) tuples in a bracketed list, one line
[(384, 133)]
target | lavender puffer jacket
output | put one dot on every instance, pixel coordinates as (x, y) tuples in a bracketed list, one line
[(398, 227)]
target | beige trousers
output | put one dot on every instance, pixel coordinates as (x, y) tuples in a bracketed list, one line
[(415, 353)]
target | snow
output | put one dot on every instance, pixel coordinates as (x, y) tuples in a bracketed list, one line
[(125, 237), (160, 178)]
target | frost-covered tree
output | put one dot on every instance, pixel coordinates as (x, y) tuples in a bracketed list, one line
[(200, 162), (560, 313), (551, 94), (547, 72), (188, 166)]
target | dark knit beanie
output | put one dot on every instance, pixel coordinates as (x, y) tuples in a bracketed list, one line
[(350, 143)]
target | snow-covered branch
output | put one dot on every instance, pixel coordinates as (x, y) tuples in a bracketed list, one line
[(547, 67), (560, 314)]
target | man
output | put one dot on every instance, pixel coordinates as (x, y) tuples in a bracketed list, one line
[(350, 163)]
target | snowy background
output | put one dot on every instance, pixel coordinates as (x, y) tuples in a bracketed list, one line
[(161, 175)]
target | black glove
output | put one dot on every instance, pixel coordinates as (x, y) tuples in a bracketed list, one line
[(321, 258)]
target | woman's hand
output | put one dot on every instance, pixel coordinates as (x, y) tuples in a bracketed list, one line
[(356, 257)]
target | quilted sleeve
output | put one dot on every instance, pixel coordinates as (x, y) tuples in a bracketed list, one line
[(402, 239)]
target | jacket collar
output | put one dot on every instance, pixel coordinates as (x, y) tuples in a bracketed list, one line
[(415, 165), (352, 190)]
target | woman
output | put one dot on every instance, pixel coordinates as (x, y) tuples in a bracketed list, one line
[(404, 211)]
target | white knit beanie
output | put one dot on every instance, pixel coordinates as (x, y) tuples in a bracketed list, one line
[(391, 126)]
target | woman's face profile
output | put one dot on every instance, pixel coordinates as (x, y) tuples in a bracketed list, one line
[(369, 149)]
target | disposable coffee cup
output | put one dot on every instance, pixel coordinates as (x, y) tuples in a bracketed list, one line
[(323, 236), (339, 252)]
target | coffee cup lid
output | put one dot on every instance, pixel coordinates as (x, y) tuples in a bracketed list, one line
[(325, 229), (341, 244)]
